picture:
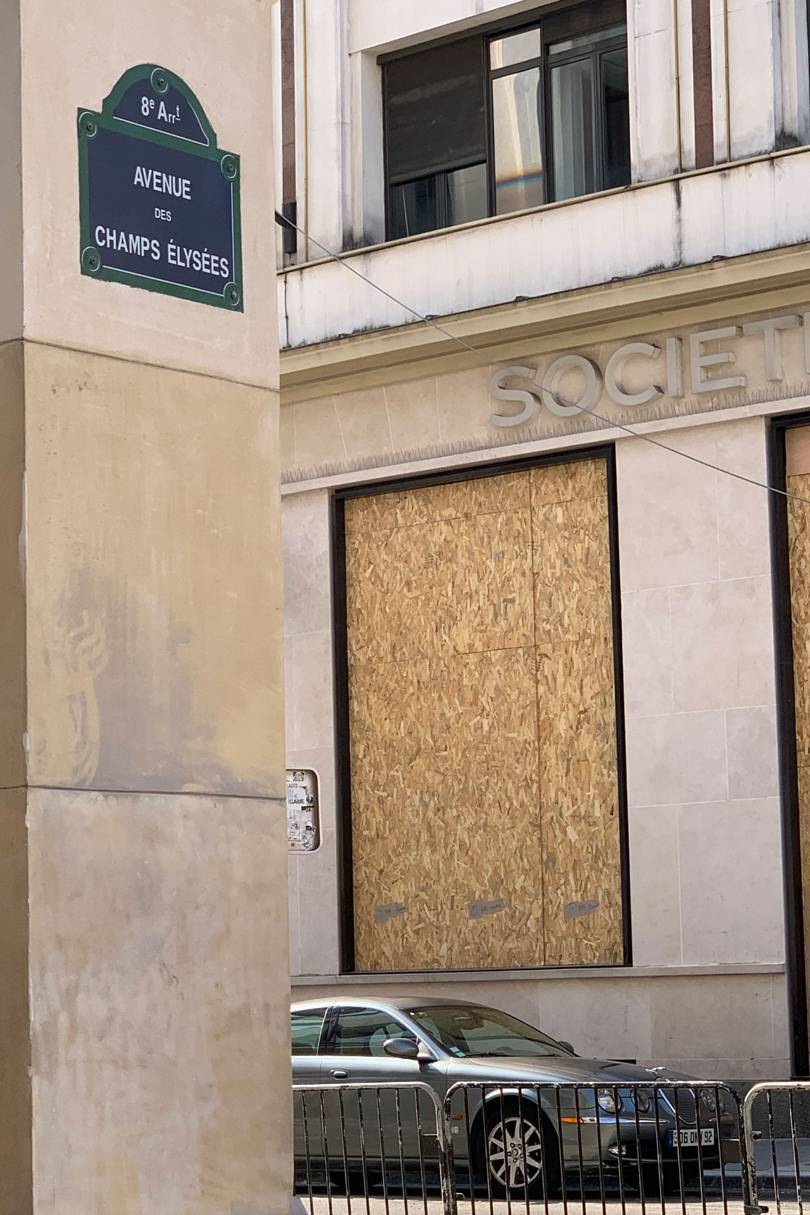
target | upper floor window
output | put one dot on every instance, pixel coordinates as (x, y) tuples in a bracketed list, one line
[(505, 120)]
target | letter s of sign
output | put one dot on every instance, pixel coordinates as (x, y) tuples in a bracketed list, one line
[(529, 397)]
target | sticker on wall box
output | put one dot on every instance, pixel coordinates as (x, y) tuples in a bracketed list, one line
[(160, 202), (303, 827)]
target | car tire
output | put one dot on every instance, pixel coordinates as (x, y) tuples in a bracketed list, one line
[(505, 1135)]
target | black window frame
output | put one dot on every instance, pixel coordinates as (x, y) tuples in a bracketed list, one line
[(329, 1037), (340, 671), (310, 1012), (555, 25)]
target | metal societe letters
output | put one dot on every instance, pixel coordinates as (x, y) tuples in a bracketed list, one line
[(160, 204)]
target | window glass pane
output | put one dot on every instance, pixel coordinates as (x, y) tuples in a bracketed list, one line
[(588, 40), (363, 1031), (467, 190), (572, 129), (517, 48), (434, 109), (516, 110), (305, 1031), (467, 1030), (415, 207), (615, 99)]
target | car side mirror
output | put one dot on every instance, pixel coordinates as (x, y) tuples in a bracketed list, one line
[(567, 1046), (402, 1048)]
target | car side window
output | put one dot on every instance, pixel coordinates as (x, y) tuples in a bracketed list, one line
[(364, 1032), (305, 1031)]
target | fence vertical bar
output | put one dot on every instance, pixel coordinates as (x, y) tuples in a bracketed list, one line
[(347, 1178), (679, 1153), (578, 1116), (398, 1107), (720, 1148), (658, 1160), (485, 1140), (639, 1166), (795, 1145), (560, 1144), (699, 1129), (543, 1169), (307, 1158), (617, 1103), (597, 1110), (468, 1134), (447, 1170), (774, 1162), (505, 1134), (325, 1139), (525, 1153), (361, 1123), (382, 1151), (750, 1183), (422, 1177)]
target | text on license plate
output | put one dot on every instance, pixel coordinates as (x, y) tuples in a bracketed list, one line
[(691, 1137)]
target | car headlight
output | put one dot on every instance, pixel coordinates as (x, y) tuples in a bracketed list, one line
[(643, 1100), (608, 1101), (708, 1099)]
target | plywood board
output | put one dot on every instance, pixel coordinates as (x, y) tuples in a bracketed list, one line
[(483, 759), (576, 714), (799, 565), (440, 588)]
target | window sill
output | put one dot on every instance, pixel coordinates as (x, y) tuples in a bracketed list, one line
[(546, 975), (364, 250)]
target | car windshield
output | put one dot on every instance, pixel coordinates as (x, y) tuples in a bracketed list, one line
[(467, 1031)]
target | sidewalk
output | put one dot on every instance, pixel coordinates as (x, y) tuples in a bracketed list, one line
[(780, 1150)]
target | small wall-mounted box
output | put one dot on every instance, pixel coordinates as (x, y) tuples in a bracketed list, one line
[(303, 818)]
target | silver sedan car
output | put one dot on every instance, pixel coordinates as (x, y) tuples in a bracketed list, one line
[(527, 1110)]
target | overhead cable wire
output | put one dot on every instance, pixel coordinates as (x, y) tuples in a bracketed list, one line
[(607, 423)]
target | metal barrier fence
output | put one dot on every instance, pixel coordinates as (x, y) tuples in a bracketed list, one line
[(776, 1124), (383, 1143), (557, 1148)]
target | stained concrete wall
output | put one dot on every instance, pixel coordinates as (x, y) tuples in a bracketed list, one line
[(144, 1035), (653, 227)]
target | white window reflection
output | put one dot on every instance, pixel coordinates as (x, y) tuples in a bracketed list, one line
[(517, 120)]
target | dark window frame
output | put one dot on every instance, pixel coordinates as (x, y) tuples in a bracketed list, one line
[(310, 1012), (340, 669), (329, 1038), (595, 53), (569, 20)]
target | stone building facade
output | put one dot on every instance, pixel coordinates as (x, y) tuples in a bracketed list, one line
[(545, 621)]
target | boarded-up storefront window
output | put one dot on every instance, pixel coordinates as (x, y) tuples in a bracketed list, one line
[(797, 459), (484, 811)]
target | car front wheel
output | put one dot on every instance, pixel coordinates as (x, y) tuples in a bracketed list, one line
[(518, 1152)]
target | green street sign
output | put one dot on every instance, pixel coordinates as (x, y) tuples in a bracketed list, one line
[(160, 202)]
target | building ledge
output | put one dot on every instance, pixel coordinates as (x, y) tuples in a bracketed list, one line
[(560, 273), (545, 975)]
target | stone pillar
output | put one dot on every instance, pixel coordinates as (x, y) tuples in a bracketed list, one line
[(144, 1055), (760, 51), (655, 64)]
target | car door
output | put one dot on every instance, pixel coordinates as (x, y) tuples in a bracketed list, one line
[(353, 1052), (306, 1027)]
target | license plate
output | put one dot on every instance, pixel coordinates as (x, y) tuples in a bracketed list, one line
[(691, 1137)]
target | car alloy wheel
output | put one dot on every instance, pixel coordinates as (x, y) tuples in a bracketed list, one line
[(515, 1154)]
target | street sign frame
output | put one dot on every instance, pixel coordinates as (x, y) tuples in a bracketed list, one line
[(156, 84)]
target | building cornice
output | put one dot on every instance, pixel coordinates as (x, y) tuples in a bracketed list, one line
[(757, 282)]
